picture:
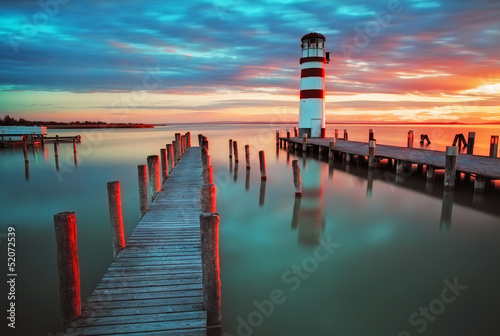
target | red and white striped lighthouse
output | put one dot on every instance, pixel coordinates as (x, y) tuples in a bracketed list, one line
[(312, 86)]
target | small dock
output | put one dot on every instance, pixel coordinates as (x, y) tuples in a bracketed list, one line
[(154, 286), (481, 167)]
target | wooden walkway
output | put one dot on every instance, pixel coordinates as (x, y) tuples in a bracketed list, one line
[(154, 287), (483, 166)]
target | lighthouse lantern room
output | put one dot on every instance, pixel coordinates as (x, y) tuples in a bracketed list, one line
[(312, 86)]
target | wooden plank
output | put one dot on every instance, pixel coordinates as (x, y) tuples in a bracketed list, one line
[(154, 286)]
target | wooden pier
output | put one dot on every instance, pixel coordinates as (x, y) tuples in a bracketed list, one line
[(154, 286), (481, 167)]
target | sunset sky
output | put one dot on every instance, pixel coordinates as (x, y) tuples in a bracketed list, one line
[(238, 60)]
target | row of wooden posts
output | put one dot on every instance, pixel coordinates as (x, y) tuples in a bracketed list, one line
[(36, 139), (450, 162), (233, 147), (66, 231)]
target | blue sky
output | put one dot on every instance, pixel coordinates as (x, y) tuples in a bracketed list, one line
[(170, 61)]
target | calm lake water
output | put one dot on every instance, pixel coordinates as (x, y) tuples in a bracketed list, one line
[(358, 255)]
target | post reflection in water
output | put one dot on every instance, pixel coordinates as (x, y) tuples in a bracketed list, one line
[(262, 194), (235, 176), (230, 165), (247, 180), (446, 210), (369, 185), (288, 157), (330, 170), (277, 152), (307, 215), (27, 170)]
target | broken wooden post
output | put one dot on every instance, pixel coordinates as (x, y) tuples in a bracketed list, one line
[(154, 175), (247, 155), (170, 157), (207, 198), (410, 139), (143, 189), (164, 169), (297, 182), (331, 149), (209, 228), (68, 267), (235, 147), (230, 148), (470, 142), (262, 161), (371, 154), (450, 167), (115, 215), (494, 146)]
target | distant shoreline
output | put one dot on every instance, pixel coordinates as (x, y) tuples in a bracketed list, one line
[(80, 126)]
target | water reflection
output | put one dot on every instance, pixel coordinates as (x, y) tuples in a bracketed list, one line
[(262, 193), (247, 180), (446, 210), (27, 170), (235, 176)]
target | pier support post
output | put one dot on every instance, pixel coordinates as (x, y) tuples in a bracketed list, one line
[(371, 153), (116, 217), (346, 136), (371, 134), (336, 134), (209, 227), (470, 142), (331, 149), (154, 175), (304, 142), (288, 134), (494, 146), (177, 151), (207, 198), (400, 168), (176, 154), (235, 147), (188, 138), (450, 167), (56, 155), (277, 137), (247, 155), (296, 131), (164, 169), (262, 161), (479, 184), (430, 173), (297, 182), (68, 266), (410, 139), (170, 157), (143, 188), (208, 175)]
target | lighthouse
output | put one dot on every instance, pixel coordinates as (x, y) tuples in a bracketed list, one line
[(312, 85)]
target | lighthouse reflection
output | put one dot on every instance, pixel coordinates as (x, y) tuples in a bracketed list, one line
[(307, 215)]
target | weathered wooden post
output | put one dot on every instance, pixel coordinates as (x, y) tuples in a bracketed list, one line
[(450, 167), (208, 175), (297, 182), (371, 154), (74, 152), (296, 131), (188, 138), (209, 227), (277, 137), (178, 146), (479, 184), (164, 169), (346, 136), (56, 155), (176, 154), (410, 139), (154, 175), (262, 161), (68, 266), (470, 142), (304, 142), (170, 157), (205, 142), (207, 198), (288, 135), (331, 149), (430, 173), (230, 148), (400, 168), (235, 147), (247, 155), (494, 146), (115, 215), (371, 135), (143, 188), (336, 134)]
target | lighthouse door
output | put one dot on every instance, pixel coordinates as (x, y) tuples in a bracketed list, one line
[(315, 128)]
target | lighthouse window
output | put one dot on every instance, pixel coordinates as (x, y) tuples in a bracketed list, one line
[(313, 43), (305, 44)]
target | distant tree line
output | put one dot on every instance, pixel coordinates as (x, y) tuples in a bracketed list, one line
[(9, 121)]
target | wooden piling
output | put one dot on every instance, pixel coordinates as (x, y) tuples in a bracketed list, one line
[(68, 266), (74, 152), (494, 146), (170, 157), (208, 175), (297, 182), (430, 173), (188, 139), (115, 215), (178, 146), (154, 175), (331, 149), (176, 154), (346, 136), (410, 139), (336, 134), (164, 169), (247, 155), (235, 147), (207, 198), (304, 142), (470, 142), (143, 189), (371, 153), (262, 161), (277, 137), (209, 227), (371, 134), (450, 167), (296, 131), (230, 148), (479, 184), (56, 155)]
